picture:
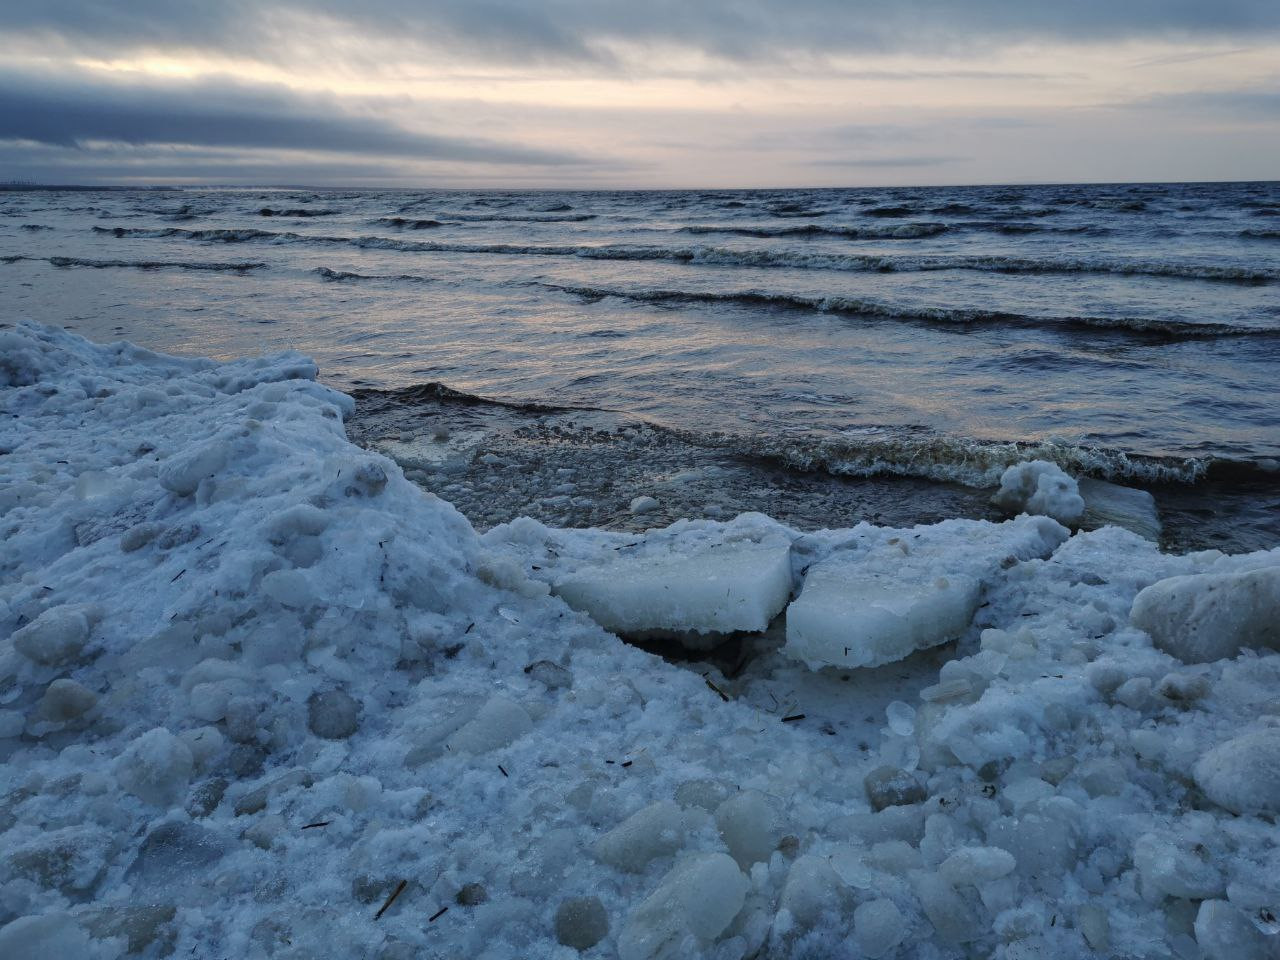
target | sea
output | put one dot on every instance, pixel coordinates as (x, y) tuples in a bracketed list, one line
[(821, 355)]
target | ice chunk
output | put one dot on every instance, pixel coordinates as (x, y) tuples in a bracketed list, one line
[(953, 919), (812, 889), (696, 901), (56, 637), (746, 824), (498, 722), (892, 787), (643, 504), (44, 937), (183, 472), (1040, 487), (156, 767), (976, 865), (581, 922), (332, 715), (65, 700), (1210, 616), (1224, 932), (843, 618), (656, 831), (1111, 504), (878, 927), (721, 589), (1168, 871), (1243, 774)]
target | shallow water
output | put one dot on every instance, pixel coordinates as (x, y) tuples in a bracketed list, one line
[(1131, 332)]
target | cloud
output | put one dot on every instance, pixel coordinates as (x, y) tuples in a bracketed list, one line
[(81, 110), (1244, 103), (592, 31)]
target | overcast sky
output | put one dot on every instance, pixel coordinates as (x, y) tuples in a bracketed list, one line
[(660, 93)]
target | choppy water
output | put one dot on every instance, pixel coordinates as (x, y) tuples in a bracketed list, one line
[(1131, 332)]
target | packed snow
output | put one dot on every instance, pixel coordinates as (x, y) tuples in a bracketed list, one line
[(261, 696)]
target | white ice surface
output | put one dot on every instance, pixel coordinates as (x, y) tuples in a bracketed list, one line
[(252, 679)]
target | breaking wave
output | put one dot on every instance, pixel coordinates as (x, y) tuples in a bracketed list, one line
[(345, 276), (905, 231), (229, 267)]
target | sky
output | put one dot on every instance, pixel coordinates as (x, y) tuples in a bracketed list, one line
[(652, 94)]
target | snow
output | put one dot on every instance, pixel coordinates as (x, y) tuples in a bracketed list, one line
[(253, 682), (1040, 487)]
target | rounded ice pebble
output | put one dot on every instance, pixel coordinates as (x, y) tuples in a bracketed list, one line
[(56, 637), (498, 722), (656, 831), (65, 700), (976, 865), (746, 824), (892, 787), (1040, 487), (156, 767), (44, 937), (901, 717), (697, 900), (1224, 932), (581, 922), (878, 927), (333, 715), (1211, 616), (181, 474), (812, 889), (1243, 774), (643, 505)]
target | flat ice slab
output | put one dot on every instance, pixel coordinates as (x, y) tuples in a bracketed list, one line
[(1109, 504), (721, 589), (844, 619)]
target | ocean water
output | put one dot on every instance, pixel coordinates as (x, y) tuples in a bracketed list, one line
[(863, 352)]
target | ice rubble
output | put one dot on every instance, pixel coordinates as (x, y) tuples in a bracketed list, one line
[(260, 696)]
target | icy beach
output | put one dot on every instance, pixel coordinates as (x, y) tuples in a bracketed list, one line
[(263, 696)]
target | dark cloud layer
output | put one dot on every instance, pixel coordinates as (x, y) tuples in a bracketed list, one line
[(220, 112), (535, 31)]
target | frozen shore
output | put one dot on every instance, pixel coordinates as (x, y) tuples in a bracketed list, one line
[(262, 696)]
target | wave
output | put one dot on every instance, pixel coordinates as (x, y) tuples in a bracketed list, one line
[(1257, 234), (344, 276), (718, 256), (941, 316), (970, 462), (296, 212), (520, 217), (405, 223), (34, 227), (962, 460), (229, 267), (905, 231)]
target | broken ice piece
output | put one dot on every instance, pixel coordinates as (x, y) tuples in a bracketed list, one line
[(847, 619), (723, 589)]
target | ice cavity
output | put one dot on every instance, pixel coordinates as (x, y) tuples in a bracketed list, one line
[(867, 604), (1040, 487)]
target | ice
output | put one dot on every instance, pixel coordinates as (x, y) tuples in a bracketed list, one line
[(45, 937), (1042, 488), (499, 722), (746, 824), (695, 902), (235, 719), (656, 831), (56, 637), (643, 504), (1243, 774), (719, 590), (1203, 617), (1110, 503), (847, 619), (156, 767), (976, 865), (581, 922), (1224, 932), (879, 927)]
